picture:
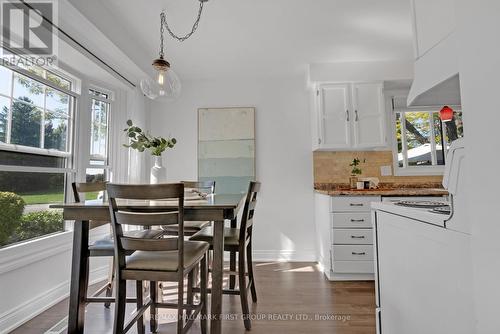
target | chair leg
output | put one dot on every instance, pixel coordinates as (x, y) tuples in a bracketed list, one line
[(253, 290), (180, 304), (203, 297), (232, 267), (153, 322), (139, 303), (120, 304), (243, 289), (190, 298), (111, 282)]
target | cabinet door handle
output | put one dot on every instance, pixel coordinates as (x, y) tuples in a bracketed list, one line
[(357, 236), (347, 113), (355, 253), (357, 220), (356, 204), (357, 117)]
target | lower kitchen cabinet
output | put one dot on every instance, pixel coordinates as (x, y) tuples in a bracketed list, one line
[(345, 236)]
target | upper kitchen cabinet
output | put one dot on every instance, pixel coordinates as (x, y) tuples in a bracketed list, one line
[(350, 116), (434, 21)]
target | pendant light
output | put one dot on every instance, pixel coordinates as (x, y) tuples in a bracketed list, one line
[(166, 84), (446, 114)]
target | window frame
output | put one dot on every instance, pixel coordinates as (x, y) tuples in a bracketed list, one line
[(69, 171), (110, 101), (415, 170)]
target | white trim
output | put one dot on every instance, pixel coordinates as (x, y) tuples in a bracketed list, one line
[(29, 169), (416, 171), (24, 253), (34, 150), (28, 310)]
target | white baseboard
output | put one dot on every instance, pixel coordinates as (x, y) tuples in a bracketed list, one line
[(284, 255), (29, 309)]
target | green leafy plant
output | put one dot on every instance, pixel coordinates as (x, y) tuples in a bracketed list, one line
[(141, 141), (356, 170), (36, 224), (11, 210)]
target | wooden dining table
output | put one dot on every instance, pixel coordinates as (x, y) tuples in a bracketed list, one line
[(217, 208)]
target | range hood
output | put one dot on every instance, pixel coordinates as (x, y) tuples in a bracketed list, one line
[(437, 80)]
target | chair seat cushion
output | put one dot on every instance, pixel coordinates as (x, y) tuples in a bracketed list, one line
[(166, 260), (231, 236), (107, 243)]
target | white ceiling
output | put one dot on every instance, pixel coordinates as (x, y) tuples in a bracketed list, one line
[(257, 37)]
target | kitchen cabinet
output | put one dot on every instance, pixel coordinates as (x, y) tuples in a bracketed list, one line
[(345, 236), (350, 116), (422, 277)]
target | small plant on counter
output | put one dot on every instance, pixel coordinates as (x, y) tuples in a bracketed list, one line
[(356, 170), (141, 141)]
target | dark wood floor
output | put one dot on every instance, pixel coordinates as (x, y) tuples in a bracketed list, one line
[(293, 298)]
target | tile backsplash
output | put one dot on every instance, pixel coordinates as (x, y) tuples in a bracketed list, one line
[(333, 167)]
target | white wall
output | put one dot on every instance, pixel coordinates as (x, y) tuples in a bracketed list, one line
[(478, 27), (284, 220)]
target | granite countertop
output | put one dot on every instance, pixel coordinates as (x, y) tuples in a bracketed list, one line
[(430, 189)]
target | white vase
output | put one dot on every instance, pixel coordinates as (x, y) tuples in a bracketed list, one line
[(158, 172)]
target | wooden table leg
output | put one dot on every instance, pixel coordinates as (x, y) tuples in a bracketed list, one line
[(217, 277), (79, 278)]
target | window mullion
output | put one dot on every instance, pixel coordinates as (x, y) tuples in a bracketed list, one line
[(42, 121), (9, 116), (403, 140), (432, 139)]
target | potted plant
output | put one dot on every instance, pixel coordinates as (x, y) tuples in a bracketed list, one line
[(355, 172), (141, 141)]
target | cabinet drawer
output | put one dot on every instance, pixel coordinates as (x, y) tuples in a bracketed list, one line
[(352, 220), (352, 236), (353, 252), (353, 267), (353, 203)]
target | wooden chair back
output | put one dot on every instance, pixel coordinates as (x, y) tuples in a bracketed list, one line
[(204, 186), (86, 187), (248, 213), (136, 216)]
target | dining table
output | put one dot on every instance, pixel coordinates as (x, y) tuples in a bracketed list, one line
[(217, 208)]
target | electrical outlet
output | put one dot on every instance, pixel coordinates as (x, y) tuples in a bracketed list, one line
[(386, 170)]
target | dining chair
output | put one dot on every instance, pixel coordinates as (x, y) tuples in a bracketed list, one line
[(170, 259), (104, 246), (191, 227), (239, 240)]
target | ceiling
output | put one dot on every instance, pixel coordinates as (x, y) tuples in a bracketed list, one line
[(256, 38)]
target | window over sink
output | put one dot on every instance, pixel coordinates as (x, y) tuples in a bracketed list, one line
[(422, 139)]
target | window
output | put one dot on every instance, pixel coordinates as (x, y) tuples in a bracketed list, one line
[(422, 139), (99, 141), (36, 122)]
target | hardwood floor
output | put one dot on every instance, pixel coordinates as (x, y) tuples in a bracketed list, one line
[(293, 298)]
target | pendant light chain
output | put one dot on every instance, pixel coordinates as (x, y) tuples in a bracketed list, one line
[(164, 23)]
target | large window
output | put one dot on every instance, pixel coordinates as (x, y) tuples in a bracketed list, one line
[(100, 105), (36, 121), (422, 139)]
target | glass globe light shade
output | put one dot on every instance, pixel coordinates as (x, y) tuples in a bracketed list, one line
[(165, 85)]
